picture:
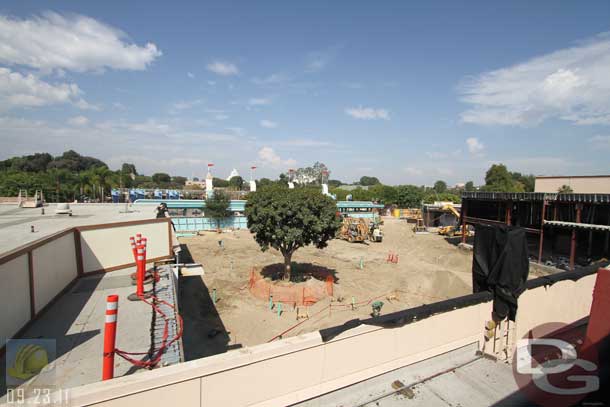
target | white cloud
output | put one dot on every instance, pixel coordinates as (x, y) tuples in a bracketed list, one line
[(190, 75), (272, 79), (367, 113), (259, 101), (184, 105), (570, 84), (317, 61), (474, 146), (70, 42), (268, 157), (78, 121), (302, 143), (268, 124), (223, 68), (221, 116), (18, 91), (413, 171), (600, 141), (437, 155)]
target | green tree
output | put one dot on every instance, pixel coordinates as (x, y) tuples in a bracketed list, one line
[(440, 186), (220, 183), (288, 219), (384, 193), (161, 178), (498, 179), (179, 180), (444, 197), (236, 182), (129, 169), (527, 182), (409, 196), (216, 206), (565, 189), (367, 181), (469, 187)]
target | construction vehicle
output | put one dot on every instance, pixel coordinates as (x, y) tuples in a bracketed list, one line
[(360, 230), (452, 230)]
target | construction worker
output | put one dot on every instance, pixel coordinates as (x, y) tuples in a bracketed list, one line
[(162, 211)]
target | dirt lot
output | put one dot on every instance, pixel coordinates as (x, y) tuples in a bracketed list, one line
[(429, 269)]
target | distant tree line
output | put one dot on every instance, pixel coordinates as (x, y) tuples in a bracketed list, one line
[(73, 176)]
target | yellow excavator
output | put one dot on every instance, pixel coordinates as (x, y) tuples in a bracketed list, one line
[(452, 230)]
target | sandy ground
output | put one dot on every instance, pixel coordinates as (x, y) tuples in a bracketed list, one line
[(429, 269)]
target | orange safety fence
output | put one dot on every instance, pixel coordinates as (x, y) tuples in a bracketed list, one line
[(306, 293)]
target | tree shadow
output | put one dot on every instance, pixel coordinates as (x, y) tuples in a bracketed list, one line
[(204, 332), (300, 272)]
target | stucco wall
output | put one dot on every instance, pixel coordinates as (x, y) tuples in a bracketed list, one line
[(564, 302), (108, 247), (54, 268), (14, 296), (579, 185)]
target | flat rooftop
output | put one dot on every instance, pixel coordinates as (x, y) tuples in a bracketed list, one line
[(16, 222), (76, 322), (456, 378)]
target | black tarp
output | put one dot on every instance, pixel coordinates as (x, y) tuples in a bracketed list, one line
[(500, 264)]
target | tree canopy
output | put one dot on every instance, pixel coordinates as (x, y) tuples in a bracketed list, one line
[(236, 182), (216, 206), (288, 219), (440, 186), (367, 181)]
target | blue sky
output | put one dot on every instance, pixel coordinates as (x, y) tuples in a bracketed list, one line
[(407, 92)]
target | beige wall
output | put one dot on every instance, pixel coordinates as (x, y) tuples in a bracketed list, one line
[(295, 369), (580, 185), (109, 247), (14, 296), (55, 265), (564, 302), (54, 268)]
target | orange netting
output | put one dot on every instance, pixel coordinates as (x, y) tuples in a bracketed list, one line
[(306, 293)]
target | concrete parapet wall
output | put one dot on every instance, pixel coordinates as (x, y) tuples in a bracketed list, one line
[(298, 368), (35, 274)]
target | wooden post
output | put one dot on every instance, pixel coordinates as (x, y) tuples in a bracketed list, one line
[(509, 212), (573, 240), (541, 242)]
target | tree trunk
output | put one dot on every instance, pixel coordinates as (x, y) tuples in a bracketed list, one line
[(287, 261)]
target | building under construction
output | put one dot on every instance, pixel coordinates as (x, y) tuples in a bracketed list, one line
[(564, 230)]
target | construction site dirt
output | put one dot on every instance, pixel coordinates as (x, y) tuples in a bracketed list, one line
[(221, 313)]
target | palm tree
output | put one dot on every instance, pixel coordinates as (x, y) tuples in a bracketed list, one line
[(565, 189)]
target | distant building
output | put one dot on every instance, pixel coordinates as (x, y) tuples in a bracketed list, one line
[(580, 184), (200, 184)]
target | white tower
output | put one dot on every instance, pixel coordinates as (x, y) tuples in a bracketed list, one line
[(252, 182), (209, 184), (291, 178)]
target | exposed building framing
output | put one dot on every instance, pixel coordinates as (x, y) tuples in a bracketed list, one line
[(562, 224)]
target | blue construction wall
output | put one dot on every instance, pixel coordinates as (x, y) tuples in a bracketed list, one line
[(198, 224)]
